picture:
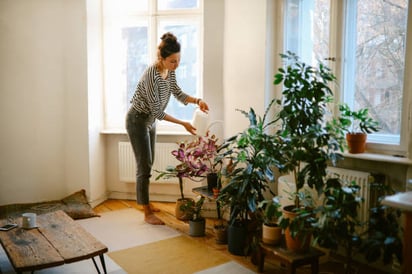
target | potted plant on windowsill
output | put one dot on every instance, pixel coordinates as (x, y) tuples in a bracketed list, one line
[(196, 161), (308, 142), (252, 155), (357, 125)]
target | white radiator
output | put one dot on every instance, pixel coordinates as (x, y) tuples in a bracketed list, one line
[(362, 179), (127, 162)]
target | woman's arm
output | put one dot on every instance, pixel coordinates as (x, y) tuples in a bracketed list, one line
[(202, 104), (188, 126)]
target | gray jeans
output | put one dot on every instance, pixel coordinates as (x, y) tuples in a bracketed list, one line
[(141, 129)]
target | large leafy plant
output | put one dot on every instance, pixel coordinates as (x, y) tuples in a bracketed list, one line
[(307, 141)]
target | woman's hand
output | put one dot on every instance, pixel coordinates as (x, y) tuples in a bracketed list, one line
[(188, 126), (203, 106)]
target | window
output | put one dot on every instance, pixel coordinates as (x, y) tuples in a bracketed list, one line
[(369, 47), (132, 31)]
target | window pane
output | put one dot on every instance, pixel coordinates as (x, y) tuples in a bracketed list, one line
[(136, 40), (116, 7), (177, 4), (126, 56), (187, 74), (375, 73), (307, 29)]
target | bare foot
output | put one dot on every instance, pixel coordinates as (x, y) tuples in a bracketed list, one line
[(153, 220), (153, 208)]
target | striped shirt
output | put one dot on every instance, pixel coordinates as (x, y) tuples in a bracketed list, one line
[(153, 93)]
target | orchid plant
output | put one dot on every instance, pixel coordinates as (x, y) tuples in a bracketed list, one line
[(196, 159)]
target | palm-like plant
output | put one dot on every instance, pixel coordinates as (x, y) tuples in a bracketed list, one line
[(252, 155)]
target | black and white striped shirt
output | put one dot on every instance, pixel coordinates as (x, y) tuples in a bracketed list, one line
[(153, 93)]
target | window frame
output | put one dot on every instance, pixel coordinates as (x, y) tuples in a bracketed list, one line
[(338, 27), (153, 18)]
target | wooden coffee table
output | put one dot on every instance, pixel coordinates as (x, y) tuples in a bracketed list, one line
[(57, 240)]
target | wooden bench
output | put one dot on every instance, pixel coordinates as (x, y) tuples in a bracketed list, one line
[(290, 259), (57, 240)]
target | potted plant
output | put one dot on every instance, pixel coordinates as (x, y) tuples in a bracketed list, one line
[(308, 143), (271, 212), (338, 226), (357, 124), (252, 155), (196, 161), (383, 237), (220, 225), (197, 224)]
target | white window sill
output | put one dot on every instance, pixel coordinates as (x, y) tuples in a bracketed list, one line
[(158, 132), (379, 158)]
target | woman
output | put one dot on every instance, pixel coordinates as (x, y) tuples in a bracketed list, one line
[(149, 102)]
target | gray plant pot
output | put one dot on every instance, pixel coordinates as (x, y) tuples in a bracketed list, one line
[(197, 228)]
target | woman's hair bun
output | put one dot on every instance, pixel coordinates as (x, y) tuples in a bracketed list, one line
[(169, 45), (168, 37)]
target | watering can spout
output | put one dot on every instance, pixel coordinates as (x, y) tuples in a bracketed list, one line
[(201, 122)]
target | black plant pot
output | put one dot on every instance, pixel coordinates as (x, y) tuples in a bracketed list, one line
[(211, 181), (237, 234), (197, 228)]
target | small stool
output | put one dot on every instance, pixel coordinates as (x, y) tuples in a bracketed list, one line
[(291, 259)]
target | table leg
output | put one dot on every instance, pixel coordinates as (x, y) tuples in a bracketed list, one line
[(102, 262), (95, 265), (315, 267)]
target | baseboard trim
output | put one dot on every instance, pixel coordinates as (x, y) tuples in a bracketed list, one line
[(155, 197)]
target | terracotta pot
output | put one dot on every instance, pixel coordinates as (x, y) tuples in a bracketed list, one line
[(271, 234), (300, 243), (356, 142), (215, 192), (181, 214)]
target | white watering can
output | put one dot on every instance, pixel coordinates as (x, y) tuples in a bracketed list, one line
[(201, 122)]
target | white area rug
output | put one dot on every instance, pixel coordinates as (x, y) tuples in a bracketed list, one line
[(119, 230)]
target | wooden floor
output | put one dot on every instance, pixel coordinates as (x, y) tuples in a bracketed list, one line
[(271, 266)]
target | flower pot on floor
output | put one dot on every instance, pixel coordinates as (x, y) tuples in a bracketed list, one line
[(197, 227), (181, 214), (220, 232), (237, 234)]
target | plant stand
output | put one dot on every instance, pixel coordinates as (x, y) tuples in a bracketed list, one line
[(292, 260), (204, 192)]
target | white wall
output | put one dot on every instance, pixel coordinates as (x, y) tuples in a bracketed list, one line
[(244, 61), (44, 145)]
